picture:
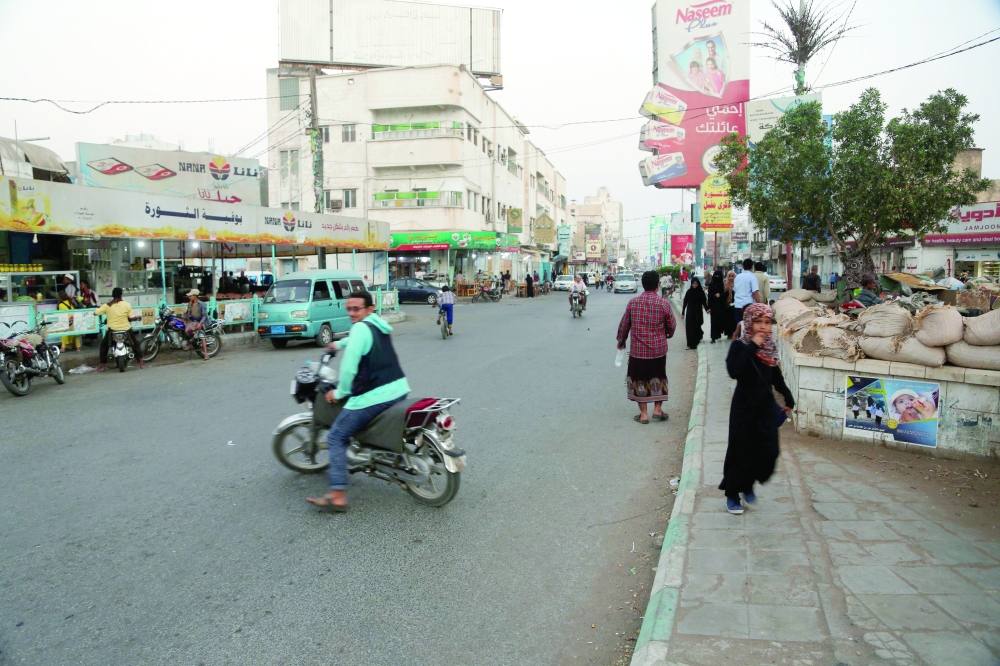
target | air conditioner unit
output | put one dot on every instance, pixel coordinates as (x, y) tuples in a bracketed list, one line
[(489, 153), (336, 204), (489, 216)]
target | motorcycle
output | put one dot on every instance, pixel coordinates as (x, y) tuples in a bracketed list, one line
[(577, 304), (409, 444), (169, 330), (491, 293), (26, 356)]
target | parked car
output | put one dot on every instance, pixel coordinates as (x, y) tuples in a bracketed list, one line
[(777, 283), (307, 304), (625, 282), (411, 289), (563, 282)]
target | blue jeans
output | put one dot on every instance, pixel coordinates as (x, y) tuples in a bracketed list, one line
[(348, 422), (448, 308)]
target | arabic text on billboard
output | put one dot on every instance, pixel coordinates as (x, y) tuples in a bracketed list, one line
[(545, 230), (702, 73), (977, 224), (716, 210), (196, 176), (514, 217)]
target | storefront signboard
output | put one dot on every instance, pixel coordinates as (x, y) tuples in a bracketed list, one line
[(594, 249), (196, 176), (904, 410), (978, 224), (565, 234), (716, 209), (740, 236), (545, 229), (514, 221), (36, 206), (682, 249), (461, 240), (762, 114)]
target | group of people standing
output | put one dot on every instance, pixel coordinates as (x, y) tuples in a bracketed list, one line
[(723, 301)]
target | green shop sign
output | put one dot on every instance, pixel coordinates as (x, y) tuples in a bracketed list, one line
[(454, 240)]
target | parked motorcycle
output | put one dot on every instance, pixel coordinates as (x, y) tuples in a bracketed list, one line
[(26, 356), (577, 305), (491, 293), (168, 331), (409, 444)]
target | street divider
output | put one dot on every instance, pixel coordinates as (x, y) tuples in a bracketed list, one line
[(664, 597)]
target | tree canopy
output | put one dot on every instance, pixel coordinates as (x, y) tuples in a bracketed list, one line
[(865, 181)]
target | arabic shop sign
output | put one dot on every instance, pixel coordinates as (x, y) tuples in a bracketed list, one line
[(514, 221), (969, 225), (716, 209), (762, 114), (454, 240), (35, 206), (196, 176)]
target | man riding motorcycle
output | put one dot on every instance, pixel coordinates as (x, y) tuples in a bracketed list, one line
[(371, 382), (580, 287), (120, 318)]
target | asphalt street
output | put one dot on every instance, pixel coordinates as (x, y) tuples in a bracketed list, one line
[(146, 521)]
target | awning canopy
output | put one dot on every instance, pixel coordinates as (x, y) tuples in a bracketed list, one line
[(559, 257), (37, 156)]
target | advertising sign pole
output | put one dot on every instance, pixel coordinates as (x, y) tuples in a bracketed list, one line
[(699, 235)]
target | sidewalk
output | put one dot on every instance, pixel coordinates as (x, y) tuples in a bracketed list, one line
[(836, 564)]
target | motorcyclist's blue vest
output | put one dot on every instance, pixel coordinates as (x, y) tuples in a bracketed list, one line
[(379, 366)]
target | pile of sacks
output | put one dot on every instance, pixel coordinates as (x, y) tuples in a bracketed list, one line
[(937, 334)]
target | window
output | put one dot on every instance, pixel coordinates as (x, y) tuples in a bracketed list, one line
[(347, 134), (468, 200), (471, 131), (321, 291), (350, 198), (420, 202), (341, 289), (295, 205), (325, 133), (532, 181), (288, 93), (358, 285)]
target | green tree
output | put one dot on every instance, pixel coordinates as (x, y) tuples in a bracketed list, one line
[(866, 181)]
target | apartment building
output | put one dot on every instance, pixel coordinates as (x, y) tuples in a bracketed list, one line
[(427, 150), (603, 210)]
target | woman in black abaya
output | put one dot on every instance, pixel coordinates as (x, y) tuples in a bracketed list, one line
[(718, 306), (695, 305)]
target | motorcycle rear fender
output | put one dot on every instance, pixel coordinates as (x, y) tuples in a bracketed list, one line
[(294, 419), (445, 448)]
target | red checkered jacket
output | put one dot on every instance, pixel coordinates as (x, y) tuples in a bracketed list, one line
[(650, 320)]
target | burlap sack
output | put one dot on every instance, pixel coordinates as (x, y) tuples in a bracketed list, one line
[(830, 341), (939, 325), (786, 309), (886, 320), (983, 330), (965, 355), (826, 297), (798, 294), (799, 322), (902, 350)]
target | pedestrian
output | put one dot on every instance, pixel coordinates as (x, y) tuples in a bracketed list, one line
[(87, 295), (718, 305), (745, 290), (649, 319), (763, 281), (694, 304), (69, 286), (813, 282), (69, 342), (729, 325), (754, 416), (833, 281), (529, 287), (535, 276)]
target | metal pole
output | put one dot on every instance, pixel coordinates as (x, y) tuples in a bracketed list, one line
[(214, 290), (715, 258), (353, 253), (316, 141), (274, 265), (163, 272)]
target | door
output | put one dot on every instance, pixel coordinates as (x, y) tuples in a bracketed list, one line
[(341, 290), (323, 308)]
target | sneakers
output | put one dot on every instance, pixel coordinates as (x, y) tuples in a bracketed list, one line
[(749, 498), (734, 506)]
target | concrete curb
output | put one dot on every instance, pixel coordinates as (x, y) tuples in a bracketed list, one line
[(652, 644)]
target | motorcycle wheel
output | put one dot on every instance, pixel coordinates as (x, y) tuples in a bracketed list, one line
[(149, 347), (19, 386), (213, 343), (58, 374), (122, 362), (290, 448), (434, 492)]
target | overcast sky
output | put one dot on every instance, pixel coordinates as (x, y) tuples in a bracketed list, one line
[(561, 62)]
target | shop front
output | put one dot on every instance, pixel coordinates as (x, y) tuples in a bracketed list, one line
[(440, 255), (970, 244)]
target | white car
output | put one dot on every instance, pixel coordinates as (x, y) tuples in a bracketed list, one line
[(626, 282), (562, 283), (777, 283)]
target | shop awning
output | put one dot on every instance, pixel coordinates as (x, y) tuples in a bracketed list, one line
[(559, 257), (37, 156)]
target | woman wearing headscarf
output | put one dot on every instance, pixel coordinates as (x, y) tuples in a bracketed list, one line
[(729, 325), (718, 305), (695, 303), (754, 416)]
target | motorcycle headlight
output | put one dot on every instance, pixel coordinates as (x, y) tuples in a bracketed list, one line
[(261, 315), (300, 314)]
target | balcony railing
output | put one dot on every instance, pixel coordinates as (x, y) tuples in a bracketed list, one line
[(544, 191), (417, 199), (417, 130), (514, 168)]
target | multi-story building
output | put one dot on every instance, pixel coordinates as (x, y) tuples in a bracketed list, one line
[(602, 210), (427, 150)]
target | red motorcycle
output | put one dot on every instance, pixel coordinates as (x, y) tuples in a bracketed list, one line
[(26, 356)]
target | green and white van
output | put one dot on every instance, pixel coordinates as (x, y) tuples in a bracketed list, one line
[(307, 304)]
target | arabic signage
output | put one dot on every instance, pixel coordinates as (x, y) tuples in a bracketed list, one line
[(702, 72), (682, 249), (36, 206), (196, 176), (978, 224), (514, 217), (565, 233), (903, 410), (716, 210), (545, 229), (740, 236), (762, 114), (579, 257), (452, 240)]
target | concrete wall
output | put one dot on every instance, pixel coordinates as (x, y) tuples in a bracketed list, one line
[(968, 417)]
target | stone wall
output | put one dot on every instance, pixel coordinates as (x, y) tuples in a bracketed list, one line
[(968, 415)]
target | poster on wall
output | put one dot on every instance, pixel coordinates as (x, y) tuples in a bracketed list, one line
[(905, 410), (702, 77), (682, 249)]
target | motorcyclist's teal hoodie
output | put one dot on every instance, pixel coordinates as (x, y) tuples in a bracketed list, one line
[(355, 346)]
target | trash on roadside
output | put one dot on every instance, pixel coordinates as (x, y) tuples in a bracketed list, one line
[(82, 370), (230, 443), (633, 571), (652, 534), (633, 547), (675, 481)]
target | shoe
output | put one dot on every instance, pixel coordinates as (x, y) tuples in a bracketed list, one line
[(713, 341), (733, 506), (438, 321), (750, 498)]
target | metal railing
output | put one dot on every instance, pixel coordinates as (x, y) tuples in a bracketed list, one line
[(427, 130), (417, 199)]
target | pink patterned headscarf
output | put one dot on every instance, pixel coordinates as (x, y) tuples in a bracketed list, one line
[(767, 352)]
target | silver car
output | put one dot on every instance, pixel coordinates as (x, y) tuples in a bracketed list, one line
[(626, 282)]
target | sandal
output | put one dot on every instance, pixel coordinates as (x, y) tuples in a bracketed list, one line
[(325, 505), (660, 417), (637, 419)]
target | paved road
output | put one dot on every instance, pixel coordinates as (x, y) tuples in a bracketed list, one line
[(132, 532)]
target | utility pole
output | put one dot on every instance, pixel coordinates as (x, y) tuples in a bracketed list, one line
[(316, 143)]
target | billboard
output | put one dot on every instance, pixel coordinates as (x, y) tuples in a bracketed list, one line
[(37, 206), (594, 249), (716, 209), (762, 114), (900, 409), (514, 217), (545, 229), (454, 240), (565, 234), (682, 249), (389, 33), (977, 224), (196, 176), (702, 77)]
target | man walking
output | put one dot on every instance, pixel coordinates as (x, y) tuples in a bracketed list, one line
[(813, 282), (746, 290), (763, 282)]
